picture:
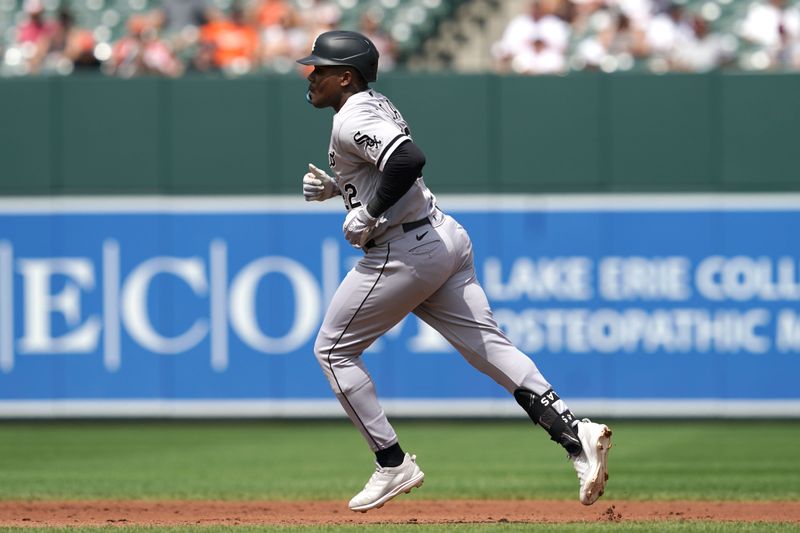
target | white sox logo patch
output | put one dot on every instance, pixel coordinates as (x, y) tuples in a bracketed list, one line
[(371, 142), (332, 159)]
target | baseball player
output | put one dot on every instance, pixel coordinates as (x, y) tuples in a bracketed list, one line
[(417, 259)]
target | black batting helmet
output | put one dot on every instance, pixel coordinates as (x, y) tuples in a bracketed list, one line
[(345, 48)]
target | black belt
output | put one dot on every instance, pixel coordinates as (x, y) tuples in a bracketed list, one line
[(411, 226), (407, 226)]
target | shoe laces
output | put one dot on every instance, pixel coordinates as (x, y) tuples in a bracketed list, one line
[(378, 471)]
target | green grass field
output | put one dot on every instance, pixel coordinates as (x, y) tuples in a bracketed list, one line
[(710, 460)]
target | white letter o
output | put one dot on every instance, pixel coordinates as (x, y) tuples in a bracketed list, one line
[(243, 304)]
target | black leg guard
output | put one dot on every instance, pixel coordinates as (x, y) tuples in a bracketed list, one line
[(541, 411)]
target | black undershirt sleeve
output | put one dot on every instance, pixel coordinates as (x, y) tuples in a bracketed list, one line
[(402, 169)]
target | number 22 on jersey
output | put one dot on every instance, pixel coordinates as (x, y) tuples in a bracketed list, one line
[(349, 194)]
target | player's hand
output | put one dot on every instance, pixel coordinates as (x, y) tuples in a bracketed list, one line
[(358, 226), (318, 186)]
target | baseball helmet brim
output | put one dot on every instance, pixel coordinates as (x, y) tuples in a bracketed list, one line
[(316, 60)]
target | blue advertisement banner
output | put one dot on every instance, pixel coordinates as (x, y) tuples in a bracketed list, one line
[(630, 299)]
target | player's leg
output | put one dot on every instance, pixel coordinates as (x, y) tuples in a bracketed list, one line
[(460, 311), (372, 298), (472, 331), (354, 320)]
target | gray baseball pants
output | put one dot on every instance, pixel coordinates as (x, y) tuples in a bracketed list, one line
[(433, 277)]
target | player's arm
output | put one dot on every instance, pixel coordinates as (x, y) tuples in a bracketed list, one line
[(400, 171)]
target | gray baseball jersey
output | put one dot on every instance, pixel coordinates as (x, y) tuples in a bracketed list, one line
[(425, 268), (366, 131)]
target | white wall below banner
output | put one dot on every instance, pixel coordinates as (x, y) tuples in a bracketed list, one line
[(413, 408)]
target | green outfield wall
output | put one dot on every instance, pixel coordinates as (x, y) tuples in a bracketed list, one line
[(481, 133)]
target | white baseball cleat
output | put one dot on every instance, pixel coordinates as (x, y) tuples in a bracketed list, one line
[(386, 483), (592, 463)]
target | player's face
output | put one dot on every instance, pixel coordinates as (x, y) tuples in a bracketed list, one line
[(324, 86)]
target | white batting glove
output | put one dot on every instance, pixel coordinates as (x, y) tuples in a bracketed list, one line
[(358, 226), (318, 186)]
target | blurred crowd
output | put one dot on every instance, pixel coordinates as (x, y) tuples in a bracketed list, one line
[(556, 36), (182, 36), (550, 37)]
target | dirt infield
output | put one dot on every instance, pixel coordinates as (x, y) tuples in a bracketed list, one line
[(72, 513)]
